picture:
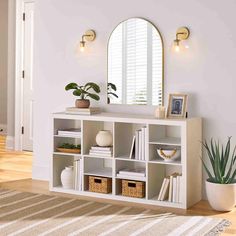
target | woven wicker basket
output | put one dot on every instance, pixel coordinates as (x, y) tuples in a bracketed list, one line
[(100, 184), (133, 188)]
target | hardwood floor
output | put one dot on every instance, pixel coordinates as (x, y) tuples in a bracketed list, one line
[(15, 173)]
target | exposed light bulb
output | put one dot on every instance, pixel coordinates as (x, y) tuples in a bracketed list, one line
[(177, 49), (176, 45), (82, 46)]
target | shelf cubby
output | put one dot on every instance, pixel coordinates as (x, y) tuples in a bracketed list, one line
[(90, 130), (63, 124)]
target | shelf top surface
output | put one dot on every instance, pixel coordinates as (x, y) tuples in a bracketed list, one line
[(105, 116)]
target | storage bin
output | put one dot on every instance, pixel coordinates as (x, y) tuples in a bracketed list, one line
[(100, 184), (133, 188)]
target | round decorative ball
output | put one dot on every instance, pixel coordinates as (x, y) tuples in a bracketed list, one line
[(67, 177), (104, 138)]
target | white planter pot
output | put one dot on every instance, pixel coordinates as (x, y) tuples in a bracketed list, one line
[(104, 138), (67, 177), (222, 197)]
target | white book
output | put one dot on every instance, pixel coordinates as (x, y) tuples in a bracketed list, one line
[(74, 174), (90, 109), (132, 151), (77, 175), (139, 178), (100, 151), (174, 189), (80, 176), (165, 191), (170, 199), (143, 143), (140, 145), (134, 172), (178, 188), (97, 148), (161, 190), (146, 140), (181, 194), (136, 144)]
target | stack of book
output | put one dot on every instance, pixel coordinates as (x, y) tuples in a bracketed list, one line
[(138, 147), (77, 167), (135, 174), (171, 188), (101, 151), (73, 132), (82, 111)]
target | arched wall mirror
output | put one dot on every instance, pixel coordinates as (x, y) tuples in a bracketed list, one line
[(135, 64)]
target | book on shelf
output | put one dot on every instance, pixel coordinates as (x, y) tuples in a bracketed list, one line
[(133, 172), (83, 111), (132, 150), (136, 145), (171, 188), (71, 132), (140, 138), (77, 175), (100, 151), (98, 148), (138, 178)]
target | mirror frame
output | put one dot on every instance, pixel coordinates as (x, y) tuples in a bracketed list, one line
[(162, 44)]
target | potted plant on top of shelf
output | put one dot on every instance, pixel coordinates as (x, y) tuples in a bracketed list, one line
[(221, 183), (83, 91)]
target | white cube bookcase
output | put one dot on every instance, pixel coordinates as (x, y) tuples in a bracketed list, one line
[(184, 133)]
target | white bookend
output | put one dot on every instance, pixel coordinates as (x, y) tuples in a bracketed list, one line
[(174, 189), (161, 190), (143, 143), (170, 199), (136, 144), (165, 191), (132, 151), (140, 145)]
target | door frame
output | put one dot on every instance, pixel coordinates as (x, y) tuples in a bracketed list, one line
[(19, 73)]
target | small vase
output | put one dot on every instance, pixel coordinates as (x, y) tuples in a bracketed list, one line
[(104, 138), (67, 177), (82, 103)]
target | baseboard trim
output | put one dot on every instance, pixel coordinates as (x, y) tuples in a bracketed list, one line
[(3, 127), (10, 142), (40, 172)]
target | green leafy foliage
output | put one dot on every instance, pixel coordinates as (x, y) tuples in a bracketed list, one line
[(69, 146), (222, 162), (111, 88), (83, 91)]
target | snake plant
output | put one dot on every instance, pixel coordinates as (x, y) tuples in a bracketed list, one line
[(222, 162)]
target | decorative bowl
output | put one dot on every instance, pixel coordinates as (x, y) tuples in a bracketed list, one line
[(68, 150), (169, 155)]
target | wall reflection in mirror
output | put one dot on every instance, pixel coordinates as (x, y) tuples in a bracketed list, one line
[(135, 64)]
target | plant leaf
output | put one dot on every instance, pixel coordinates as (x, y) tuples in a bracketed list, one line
[(71, 86), (93, 96), (77, 92), (111, 93), (92, 85), (113, 86)]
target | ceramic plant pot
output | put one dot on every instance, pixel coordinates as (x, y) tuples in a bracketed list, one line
[(221, 196), (104, 138), (67, 177), (82, 103)]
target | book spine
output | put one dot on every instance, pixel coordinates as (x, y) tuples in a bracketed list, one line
[(143, 143), (140, 145), (146, 142), (136, 144), (165, 190), (132, 173), (161, 190), (174, 189), (170, 199)]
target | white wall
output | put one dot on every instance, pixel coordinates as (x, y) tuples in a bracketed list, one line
[(207, 72), (3, 62)]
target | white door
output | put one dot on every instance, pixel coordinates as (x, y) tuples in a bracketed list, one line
[(28, 102)]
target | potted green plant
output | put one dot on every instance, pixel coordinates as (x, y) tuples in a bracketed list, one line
[(83, 92), (111, 89), (220, 185)]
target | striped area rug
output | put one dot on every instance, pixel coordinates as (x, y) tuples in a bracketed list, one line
[(29, 214)]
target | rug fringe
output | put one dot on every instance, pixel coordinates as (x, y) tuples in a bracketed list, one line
[(219, 228)]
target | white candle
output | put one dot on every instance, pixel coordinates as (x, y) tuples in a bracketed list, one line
[(160, 112)]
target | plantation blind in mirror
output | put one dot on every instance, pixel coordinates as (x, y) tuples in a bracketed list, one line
[(135, 64)]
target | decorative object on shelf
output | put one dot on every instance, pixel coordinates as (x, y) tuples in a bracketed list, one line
[(133, 188), (100, 184), (83, 111), (99, 151), (169, 155), (69, 148), (104, 138), (160, 112), (82, 91), (73, 132), (181, 34), (89, 35), (111, 89), (221, 182), (177, 106), (67, 177)]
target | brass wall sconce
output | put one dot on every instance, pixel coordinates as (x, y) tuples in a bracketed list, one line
[(181, 34), (89, 35)]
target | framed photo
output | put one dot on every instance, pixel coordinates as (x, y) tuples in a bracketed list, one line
[(177, 106)]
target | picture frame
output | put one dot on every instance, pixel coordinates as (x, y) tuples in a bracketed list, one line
[(177, 105)]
